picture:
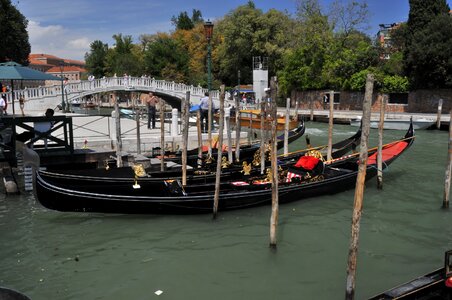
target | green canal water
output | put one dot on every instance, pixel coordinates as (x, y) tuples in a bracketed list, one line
[(404, 233)]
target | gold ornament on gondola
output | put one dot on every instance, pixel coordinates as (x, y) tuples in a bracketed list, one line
[(315, 153), (139, 171), (224, 163), (246, 168)]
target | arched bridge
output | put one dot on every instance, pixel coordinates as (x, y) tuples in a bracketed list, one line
[(40, 98)]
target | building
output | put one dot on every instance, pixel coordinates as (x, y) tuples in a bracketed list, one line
[(71, 69), (384, 39)]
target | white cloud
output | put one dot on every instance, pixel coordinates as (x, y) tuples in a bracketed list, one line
[(80, 43), (57, 40)]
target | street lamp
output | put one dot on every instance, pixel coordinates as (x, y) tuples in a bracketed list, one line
[(63, 105), (208, 31)]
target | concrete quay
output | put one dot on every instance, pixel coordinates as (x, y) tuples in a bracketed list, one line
[(344, 116), (99, 133)]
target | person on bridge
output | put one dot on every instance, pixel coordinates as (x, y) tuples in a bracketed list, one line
[(204, 107), (151, 102)]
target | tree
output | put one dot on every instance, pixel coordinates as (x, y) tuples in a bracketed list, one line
[(195, 44), (429, 59), (427, 53), (184, 22), (166, 58), (96, 58), (123, 57), (13, 34), (246, 32)]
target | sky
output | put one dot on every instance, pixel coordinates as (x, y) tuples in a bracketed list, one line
[(65, 28)]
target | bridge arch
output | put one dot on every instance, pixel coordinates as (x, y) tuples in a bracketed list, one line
[(37, 99)]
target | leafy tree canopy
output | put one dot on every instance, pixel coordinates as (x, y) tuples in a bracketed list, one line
[(95, 59), (13, 34)]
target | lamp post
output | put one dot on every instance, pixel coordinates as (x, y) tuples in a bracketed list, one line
[(208, 30), (63, 105)]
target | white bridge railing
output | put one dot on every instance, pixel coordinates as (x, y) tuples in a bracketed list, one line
[(39, 98)]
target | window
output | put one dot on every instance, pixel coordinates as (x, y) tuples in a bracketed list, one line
[(398, 98), (337, 98)]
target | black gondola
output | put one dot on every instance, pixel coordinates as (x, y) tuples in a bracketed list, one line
[(171, 198), (434, 285), (126, 175), (246, 151)]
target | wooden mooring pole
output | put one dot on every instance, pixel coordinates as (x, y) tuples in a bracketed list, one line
[(209, 125), (449, 167), (220, 154), (119, 162), (311, 103), (330, 127), (237, 127), (380, 142), (137, 119), (359, 191), (438, 117), (228, 132), (263, 137), (185, 124), (199, 129), (162, 135), (274, 166), (286, 128)]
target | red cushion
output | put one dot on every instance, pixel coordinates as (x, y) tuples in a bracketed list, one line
[(307, 162)]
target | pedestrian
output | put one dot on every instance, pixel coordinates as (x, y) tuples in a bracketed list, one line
[(2, 104), (204, 107), (151, 102), (22, 104)]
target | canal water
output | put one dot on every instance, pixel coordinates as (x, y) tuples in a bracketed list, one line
[(404, 234)]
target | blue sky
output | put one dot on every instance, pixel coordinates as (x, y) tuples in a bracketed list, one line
[(66, 28)]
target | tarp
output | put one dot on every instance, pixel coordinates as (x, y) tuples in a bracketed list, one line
[(14, 71)]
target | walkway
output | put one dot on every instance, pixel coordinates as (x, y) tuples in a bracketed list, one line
[(40, 98)]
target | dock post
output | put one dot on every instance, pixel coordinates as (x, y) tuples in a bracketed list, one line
[(438, 117), (237, 127), (380, 142), (359, 190), (119, 162), (198, 127), (174, 122), (286, 127), (162, 135), (274, 166), (220, 154), (263, 137), (185, 108), (330, 127), (209, 125), (448, 168), (227, 113), (311, 104), (137, 119)]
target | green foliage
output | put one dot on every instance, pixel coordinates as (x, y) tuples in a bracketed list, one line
[(95, 59), (429, 59), (122, 59), (246, 32), (166, 58), (184, 22), (13, 34), (427, 54), (394, 84)]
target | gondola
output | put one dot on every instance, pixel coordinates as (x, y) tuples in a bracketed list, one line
[(172, 198), (126, 175), (434, 285), (246, 151)]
